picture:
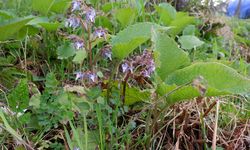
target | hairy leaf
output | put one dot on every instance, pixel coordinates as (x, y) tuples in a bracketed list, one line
[(10, 27), (169, 56), (218, 76), (190, 41), (125, 16), (166, 12), (180, 22), (131, 37)]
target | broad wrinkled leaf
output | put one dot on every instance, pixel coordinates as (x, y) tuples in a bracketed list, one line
[(125, 16), (180, 22), (104, 22), (190, 42), (10, 27), (65, 51), (134, 95), (131, 37), (218, 76), (42, 6), (166, 12), (168, 55), (45, 6), (189, 30)]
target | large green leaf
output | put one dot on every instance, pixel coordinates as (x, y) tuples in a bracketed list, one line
[(134, 95), (168, 55), (174, 93), (42, 6), (10, 27), (190, 41), (166, 12), (130, 38), (45, 6), (180, 22), (125, 16), (217, 76)]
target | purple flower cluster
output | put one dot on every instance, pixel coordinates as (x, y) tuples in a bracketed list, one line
[(90, 76), (79, 9), (142, 65)]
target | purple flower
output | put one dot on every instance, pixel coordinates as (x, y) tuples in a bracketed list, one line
[(90, 15), (79, 75), (100, 32), (76, 5), (126, 67), (78, 44), (92, 77), (77, 41), (72, 22), (106, 52)]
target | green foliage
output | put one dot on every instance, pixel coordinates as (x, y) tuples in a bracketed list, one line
[(125, 16), (65, 51), (167, 13), (168, 55), (18, 99), (10, 27), (180, 22), (45, 6), (190, 42), (217, 76), (80, 56), (134, 95), (130, 38)]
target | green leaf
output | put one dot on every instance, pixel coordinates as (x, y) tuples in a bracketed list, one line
[(104, 22), (46, 6), (180, 22), (108, 6), (42, 6), (18, 99), (50, 26), (80, 56), (168, 55), (174, 93), (166, 12), (218, 76), (60, 6), (134, 95), (189, 30), (10, 27), (65, 51), (125, 16), (130, 38), (190, 41)]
